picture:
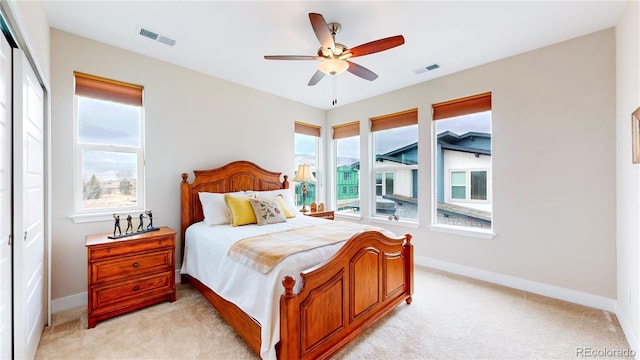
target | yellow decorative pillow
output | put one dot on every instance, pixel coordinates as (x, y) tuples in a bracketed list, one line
[(241, 210), (284, 208)]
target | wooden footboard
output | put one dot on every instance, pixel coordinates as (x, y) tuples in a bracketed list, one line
[(342, 298)]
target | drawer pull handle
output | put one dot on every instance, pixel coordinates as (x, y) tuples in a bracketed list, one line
[(135, 288), (135, 265)]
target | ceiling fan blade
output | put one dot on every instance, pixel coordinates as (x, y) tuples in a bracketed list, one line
[(322, 31), (361, 71), (293, 57), (315, 78), (376, 46)]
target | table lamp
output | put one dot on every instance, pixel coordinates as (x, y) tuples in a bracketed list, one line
[(304, 175)]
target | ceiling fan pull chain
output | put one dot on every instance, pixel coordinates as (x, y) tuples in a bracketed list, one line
[(335, 90)]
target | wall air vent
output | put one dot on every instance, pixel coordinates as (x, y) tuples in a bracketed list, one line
[(424, 69), (166, 40), (154, 35)]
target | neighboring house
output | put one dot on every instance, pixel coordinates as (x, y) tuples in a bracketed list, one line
[(463, 165), (396, 187), (347, 182)]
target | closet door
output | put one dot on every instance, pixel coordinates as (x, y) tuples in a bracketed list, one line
[(28, 184), (6, 339)]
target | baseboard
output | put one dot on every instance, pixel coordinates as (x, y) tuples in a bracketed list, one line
[(70, 302), (556, 292), (632, 337)]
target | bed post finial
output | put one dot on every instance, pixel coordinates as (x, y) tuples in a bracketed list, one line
[(408, 237), (288, 282), (285, 183), (185, 176)]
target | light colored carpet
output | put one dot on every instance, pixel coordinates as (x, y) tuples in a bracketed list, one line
[(451, 317)]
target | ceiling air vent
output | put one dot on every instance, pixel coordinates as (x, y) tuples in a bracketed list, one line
[(154, 35), (424, 69)]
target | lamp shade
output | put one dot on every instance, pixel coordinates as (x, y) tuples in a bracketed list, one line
[(333, 66), (304, 174)]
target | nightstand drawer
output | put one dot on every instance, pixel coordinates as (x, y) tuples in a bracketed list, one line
[(124, 248), (110, 298), (130, 266)]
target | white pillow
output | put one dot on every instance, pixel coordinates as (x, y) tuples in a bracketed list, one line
[(215, 209), (286, 194)]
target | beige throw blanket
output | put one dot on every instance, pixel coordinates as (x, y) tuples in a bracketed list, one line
[(263, 252)]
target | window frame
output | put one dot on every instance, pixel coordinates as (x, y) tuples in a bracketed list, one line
[(445, 110), (82, 214), (301, 128), (386, 122), (350, 130)]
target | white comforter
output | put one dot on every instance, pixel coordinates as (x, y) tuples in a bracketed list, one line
[(258, 295)]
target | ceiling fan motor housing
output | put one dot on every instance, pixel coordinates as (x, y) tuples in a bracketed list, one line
[(326, 53)]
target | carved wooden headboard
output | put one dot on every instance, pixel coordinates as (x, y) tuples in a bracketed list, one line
[(235, 176)]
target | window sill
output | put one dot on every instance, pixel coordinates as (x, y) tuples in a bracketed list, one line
[(381, 220), (347, 216), (458, 230), (100, 217)]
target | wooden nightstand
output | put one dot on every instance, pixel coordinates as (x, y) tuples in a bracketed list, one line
[(321, 214), (129, 273)]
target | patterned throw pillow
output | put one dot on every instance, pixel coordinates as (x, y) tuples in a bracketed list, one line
[(268, 211)]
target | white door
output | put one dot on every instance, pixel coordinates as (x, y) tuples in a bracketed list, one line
[(6, 339), (29, 314)]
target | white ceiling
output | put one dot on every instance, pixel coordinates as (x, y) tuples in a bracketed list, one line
[(228, 39)]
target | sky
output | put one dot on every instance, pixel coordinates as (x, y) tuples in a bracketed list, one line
[(108, 123)]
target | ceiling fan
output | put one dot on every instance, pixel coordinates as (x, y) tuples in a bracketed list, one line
[(334, 56)]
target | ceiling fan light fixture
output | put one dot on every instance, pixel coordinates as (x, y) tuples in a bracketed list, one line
[(333, 66)]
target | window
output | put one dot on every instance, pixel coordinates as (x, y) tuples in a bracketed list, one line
[(395, 141), (478, 185), (347, 149), (468, 185), (463, 162), (306, 153), (458, 185), (109, 146)]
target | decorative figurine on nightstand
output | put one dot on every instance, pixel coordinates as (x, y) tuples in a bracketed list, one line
[(129, 224), (150, 215), (140, 226), (116, 225), (129, 232)]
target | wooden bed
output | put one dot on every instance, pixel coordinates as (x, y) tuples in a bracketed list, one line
[(369, 276)]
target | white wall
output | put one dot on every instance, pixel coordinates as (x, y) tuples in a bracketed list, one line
[(193, 121), (554, 198), (628, 174), (34, 32)]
